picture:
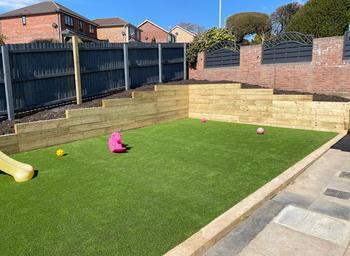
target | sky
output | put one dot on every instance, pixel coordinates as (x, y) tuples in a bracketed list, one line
[(166, 13)]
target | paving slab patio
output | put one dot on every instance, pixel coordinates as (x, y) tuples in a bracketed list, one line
[(301, 219), (277, 240)]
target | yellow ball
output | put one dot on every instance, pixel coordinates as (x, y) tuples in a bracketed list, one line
[(60, 152)]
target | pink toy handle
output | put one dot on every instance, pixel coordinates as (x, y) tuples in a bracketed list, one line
[(117, 137)]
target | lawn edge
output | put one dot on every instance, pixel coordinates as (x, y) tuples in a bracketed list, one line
[(201, 241)]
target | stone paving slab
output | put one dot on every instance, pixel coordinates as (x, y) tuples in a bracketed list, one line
[(247, 230), (347, 252), (277, 240), (330, 208), (315, 224), (306, 192), (240, 237), (289, 198)]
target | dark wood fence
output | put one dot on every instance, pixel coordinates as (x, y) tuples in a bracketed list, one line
[(42, 75), (222, 54), (347, 46), (2, 89), (287, 48)]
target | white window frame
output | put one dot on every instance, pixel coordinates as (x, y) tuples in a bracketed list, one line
[(92, 29), (68, 20)]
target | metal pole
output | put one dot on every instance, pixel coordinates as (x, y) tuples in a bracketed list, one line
[(126, 66), (8, 82), (185, 62), (220, 13), (160, 63)]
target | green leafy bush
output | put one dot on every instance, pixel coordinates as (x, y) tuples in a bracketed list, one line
[(322, 18), (247, 23), (205, 41)]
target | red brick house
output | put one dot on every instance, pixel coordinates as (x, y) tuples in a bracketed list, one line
[(153, 33), (117, 30), (45, 21)]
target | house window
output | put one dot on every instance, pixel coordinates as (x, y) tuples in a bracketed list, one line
[(132, 33), (81, 25), (171, 38), (91, 29), (24, 20), (68, 20)]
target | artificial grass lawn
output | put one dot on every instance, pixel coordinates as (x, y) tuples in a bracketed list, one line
[(176, 178)]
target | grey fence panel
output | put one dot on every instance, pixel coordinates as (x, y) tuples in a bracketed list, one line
[(102, 68), (42, 75), (347, 46), (222, 54), (287, 48), (143, 61), (2, 90), (172, 61)]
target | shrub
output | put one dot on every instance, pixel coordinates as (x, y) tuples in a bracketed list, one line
[(205, 41), (322, 18), (247, 23)]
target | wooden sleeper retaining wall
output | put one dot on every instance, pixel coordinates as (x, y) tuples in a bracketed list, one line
[(222, 102), (261, 106), (143, 109)]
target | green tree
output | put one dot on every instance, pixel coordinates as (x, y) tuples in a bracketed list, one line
[(283, 14), (322, 18), (247, 23), (205, 41)]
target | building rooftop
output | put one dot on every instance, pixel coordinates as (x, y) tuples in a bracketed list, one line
[(42, 8), (110, 22)]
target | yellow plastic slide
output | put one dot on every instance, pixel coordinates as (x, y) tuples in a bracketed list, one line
[(19, 171)]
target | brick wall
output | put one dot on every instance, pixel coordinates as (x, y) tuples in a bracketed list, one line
[(149, 31), (182, 36), (37, 27), (112, 34), (328, 73)]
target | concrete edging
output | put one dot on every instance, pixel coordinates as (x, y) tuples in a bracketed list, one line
[(201, 241)]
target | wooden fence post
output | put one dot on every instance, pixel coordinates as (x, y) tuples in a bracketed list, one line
[(160, 67), (8, 82), (185, 61), (126, 66), (77, 70)]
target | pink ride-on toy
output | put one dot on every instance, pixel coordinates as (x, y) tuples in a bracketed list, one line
[(115, 143)]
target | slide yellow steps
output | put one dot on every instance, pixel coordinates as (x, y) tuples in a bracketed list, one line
[(19, 171)]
